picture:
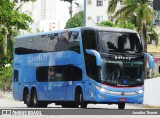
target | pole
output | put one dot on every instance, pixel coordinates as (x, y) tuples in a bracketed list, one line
[(84, 12)]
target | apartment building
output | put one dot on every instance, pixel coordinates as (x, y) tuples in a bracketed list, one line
[(96, 11)]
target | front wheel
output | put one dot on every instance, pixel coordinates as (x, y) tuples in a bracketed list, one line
[(121, 105), (79, 100)]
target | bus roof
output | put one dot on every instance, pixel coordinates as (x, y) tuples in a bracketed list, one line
[(114, 29)]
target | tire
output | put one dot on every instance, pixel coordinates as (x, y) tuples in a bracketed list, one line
[(121, 106), (27, 99), (35, 100), (36, 103), (83, 104), (79, 100)]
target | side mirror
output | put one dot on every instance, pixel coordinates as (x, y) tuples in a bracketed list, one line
[(151, 60), (96, 54)]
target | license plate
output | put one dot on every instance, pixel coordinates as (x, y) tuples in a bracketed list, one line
[(122, 99)]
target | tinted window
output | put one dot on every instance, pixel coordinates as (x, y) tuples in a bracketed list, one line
[(42, 74), (119, 42), (72, 73), (48, 43), (58, 73), (89, 39), (15, 77)]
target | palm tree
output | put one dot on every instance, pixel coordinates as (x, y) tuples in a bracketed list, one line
[(112, 6), (143, 11), (70, 8)]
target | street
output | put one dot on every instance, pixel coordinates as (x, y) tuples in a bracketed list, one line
[(7, 102)]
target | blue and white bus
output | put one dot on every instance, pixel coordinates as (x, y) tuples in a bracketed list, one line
[(75, 67)]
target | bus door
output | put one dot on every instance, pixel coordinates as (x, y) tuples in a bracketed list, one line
[(16, 83)]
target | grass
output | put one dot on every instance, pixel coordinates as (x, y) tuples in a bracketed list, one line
[(151, 107)]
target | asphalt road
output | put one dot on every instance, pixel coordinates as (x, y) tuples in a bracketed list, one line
[(92, 111)]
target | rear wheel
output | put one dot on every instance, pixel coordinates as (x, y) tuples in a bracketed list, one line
[(27, 99), (37, 103), (121, 105)]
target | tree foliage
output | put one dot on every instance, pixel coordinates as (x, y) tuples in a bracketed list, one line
[(5, 77), (75, 21), (106, 24), (120, 24), (11, 22), (70, 8), (126, 25), (24, 0)]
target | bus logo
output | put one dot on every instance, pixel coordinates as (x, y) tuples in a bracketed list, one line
[(122, 57), (122, 93)]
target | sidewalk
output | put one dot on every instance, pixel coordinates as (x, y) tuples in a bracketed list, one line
[(5, 95)]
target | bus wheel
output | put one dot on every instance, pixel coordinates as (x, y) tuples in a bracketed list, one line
[(34, 99), (43, 104), (82, 103), (79, 100), (27, 99), (121, 105)]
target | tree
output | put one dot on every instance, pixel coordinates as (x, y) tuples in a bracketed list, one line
[(112, 6), (120, 24), (11, 21), (76, 20), (106, 24), (24, 0), (70, 8), (125, 24), (71, 4)]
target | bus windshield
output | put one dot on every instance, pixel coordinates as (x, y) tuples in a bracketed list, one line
[(119, 42), (122, 73)]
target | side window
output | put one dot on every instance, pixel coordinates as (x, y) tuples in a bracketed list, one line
[(16, 76), (49, 73), (89, 39), (69, 73), (58, 73), (58, 43), (42, 74), (21, 46), (73, 43)]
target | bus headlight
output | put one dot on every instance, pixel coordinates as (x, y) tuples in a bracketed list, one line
[(139, 92), (101, 89)]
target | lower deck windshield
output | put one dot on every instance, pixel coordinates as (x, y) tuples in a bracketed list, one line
[(122, 73)]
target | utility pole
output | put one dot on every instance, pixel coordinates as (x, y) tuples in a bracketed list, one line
[(84, 12)]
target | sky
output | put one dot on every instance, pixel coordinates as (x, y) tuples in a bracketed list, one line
[(63, 12)]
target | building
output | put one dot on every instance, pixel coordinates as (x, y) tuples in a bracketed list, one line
[(47, 15), (96, 11)]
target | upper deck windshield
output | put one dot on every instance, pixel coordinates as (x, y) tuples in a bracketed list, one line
[(120, 42)]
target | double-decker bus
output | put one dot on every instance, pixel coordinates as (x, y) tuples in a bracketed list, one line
[(78, 66)]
